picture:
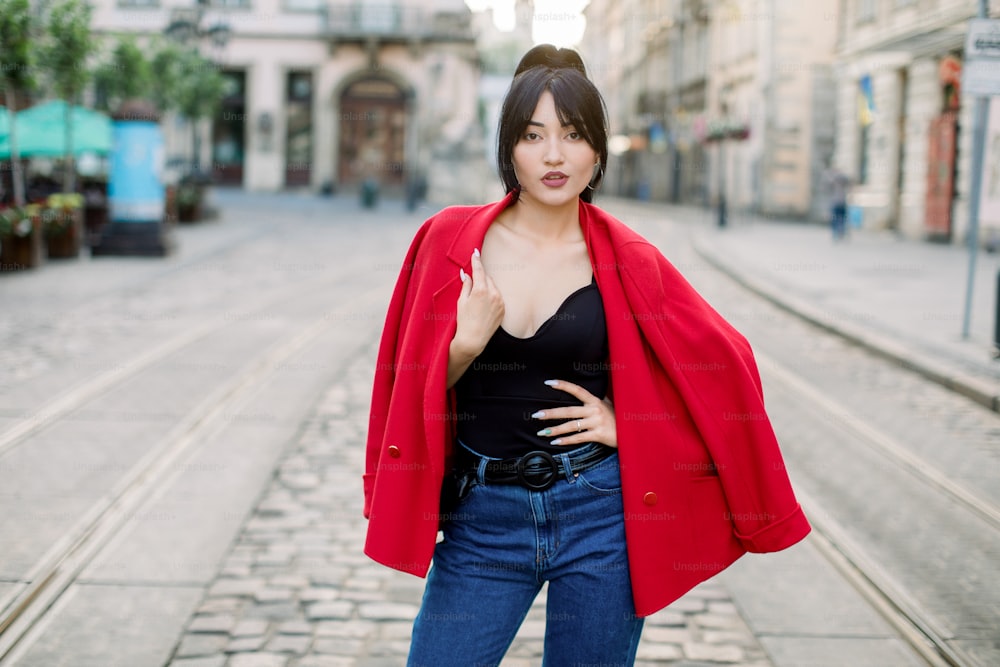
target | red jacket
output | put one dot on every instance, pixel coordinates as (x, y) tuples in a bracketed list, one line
[(703, 480)]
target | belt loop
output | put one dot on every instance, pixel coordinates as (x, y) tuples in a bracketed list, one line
[(481, 470), (567, 467)]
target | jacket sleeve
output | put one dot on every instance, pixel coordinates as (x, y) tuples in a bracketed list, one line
[(713, 368), (385, 366)]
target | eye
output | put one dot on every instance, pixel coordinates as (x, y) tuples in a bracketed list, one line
[(574, 135), (530, 136)]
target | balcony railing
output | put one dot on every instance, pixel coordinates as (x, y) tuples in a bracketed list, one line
[(393, 22)]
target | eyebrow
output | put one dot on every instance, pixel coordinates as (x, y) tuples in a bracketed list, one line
[(537, 124)]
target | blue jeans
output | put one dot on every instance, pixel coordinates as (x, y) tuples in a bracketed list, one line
[(501, 544)]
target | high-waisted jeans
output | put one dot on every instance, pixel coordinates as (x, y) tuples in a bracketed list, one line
[(501, 544)]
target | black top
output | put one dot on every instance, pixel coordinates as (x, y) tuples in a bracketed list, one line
[(504, 386)]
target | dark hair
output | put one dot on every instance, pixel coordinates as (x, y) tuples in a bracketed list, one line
[(578, 103)]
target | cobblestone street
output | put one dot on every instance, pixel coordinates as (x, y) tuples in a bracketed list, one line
[(182, 444), (297, 591)]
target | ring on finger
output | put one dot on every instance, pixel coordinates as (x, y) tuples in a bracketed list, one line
[(579, 425)]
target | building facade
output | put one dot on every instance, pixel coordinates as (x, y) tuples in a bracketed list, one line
[(770, 115), (329, 94), (718, 97), (648, 57), (904, 124)]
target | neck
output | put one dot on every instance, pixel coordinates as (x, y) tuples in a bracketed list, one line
[(545, 223)]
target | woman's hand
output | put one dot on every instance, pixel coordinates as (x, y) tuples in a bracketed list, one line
[(594, 421), (479, 311), (478, 314)]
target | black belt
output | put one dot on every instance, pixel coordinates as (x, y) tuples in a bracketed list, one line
[(536, 471)]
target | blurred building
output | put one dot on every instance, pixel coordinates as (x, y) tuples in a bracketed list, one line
[(331, 92), (698, 85), (904, 124), (648, 59), (771, 111)]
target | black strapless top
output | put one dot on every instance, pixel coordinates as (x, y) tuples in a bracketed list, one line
[(504, 386)]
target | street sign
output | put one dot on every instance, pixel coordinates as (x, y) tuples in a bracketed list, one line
[(981, 72), (983, 39)]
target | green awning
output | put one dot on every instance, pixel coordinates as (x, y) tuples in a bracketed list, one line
[(41, 131)]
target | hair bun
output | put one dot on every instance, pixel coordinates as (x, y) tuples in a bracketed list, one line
[(546, 55)]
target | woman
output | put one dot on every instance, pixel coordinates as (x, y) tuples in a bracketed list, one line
[(599, 426)]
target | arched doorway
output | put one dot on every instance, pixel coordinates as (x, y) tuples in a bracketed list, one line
[(372, 132)]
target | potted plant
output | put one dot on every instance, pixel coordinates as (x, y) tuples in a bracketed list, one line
[(62, 224), (188, 199), (20, 237)]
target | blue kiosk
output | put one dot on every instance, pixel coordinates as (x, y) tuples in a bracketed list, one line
[(136, 195)]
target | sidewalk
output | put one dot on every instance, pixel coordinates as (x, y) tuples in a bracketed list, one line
[(902, 299)]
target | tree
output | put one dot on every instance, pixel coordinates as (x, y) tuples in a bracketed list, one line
[(65, 52), (16, 61), (125, 74), (189, 84)]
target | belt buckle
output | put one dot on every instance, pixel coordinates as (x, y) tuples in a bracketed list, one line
[(522, 474)]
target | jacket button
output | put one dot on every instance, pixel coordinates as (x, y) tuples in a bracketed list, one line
[(394, 451), (649, 498)]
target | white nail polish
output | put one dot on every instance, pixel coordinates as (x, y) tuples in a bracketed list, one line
[(463, 275), (475, 252)]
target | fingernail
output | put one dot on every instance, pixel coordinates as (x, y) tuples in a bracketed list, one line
[(545, 431), (475, 252), (538, 415), (462, 275), (552, 383), (557, 441)]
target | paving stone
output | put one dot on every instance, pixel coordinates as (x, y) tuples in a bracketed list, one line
[(388, 611), (713, 652), (688, 603), (279, 611), (213, 661), (389, 630), (296, 627), (327, 661), (246, 644), (666, 618), (724, 637), (250, 627), (211, 624), (192, 646), (218, 605), (297, 644), (667, 635), (236, 587), (353, 629), (718, 607), (258, 660), (338, 646), (319, 594), (273, 595), (320, 611), (652, 651), (718, 620)]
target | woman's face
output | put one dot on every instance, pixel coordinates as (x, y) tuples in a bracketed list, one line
[(553, 162)]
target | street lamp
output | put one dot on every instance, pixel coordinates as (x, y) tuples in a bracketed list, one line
[(185, 27), (724, 110)]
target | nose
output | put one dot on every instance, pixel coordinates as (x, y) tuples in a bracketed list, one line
[(553, 151)]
